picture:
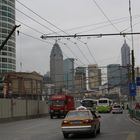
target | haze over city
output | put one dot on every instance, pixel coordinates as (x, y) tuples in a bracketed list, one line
[(74, 17)]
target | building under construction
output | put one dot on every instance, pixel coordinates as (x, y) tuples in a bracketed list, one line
[(21, 85)]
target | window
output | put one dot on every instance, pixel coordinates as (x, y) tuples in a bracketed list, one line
[(4, 65), (4, 59)]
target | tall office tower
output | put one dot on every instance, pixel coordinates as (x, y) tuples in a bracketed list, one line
[(56, 68), (94, 76), (114, 75), (125, 57), (80, 79), (69, 74), (7, 22), (125, 54)]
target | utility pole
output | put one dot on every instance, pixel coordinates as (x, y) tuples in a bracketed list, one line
[(7, 38), (132, 98)]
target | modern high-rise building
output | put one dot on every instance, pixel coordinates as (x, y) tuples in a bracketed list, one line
[(125, 57), (94, 76), (114, 75), (80, 79), (7, 22), (69, 74), (56, 68), (125, 54)]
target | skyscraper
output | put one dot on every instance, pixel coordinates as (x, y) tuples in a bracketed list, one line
[(94, 76), (7, 22), (56, 68), (80, 79), (114, 75), (69, 74), (125, 54)]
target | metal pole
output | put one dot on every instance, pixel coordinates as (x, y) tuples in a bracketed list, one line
[(89, 35), (7, 38)]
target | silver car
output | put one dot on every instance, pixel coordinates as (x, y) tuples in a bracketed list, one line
[(117, 109)]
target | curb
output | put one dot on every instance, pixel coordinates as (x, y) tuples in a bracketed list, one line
[(133, 120)]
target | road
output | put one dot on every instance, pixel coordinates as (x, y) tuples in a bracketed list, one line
[(113, 127)]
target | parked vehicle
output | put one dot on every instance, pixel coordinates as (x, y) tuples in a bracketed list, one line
[(117, 109), (59, 105), (80, 122)]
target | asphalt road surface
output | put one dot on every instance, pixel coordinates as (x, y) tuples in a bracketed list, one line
[(113, 127)]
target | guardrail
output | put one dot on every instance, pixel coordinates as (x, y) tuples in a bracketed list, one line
[(134, 113)]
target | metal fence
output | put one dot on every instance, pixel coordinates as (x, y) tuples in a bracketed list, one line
[(134, 114)]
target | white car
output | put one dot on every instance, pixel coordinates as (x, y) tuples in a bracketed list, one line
[(117, 109)]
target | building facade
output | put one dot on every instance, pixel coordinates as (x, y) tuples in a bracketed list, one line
[(56, 68), (94, 76), (21, 85), (80, 79), (69, 74), (7, 22), (125, 54), (125, 57), (114, 75)]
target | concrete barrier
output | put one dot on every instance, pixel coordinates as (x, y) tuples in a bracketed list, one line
[(16, 108)]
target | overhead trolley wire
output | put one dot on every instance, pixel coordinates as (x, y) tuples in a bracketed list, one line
[(53, 26)]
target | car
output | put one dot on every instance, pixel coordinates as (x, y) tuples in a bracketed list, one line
[(80, 121), (117, 109)]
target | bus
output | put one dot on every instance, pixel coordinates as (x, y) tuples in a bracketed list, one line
[(104, 105), (89, 104)]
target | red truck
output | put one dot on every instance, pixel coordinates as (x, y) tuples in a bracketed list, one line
[(59, 105)]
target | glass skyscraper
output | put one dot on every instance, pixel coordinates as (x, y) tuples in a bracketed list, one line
[(69, 74), (7, 22)]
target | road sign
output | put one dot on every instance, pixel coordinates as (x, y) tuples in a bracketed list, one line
[(138, 81), (132, 89)]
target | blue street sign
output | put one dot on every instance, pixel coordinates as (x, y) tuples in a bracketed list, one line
[(132, 89), (138, 81)]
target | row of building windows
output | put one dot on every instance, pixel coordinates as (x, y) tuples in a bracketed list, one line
[(3, 36), (7, 19), (6, 8), (10, 43), (10, 49), (8, 2), (7, 54), (6, 25), (6, 70), (7, 66), (8, 60), (7, 14), (5, 30)]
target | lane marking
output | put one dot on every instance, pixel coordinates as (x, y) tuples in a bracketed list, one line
[(131, 136)]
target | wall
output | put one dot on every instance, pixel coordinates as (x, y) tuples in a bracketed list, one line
[(14, 108)]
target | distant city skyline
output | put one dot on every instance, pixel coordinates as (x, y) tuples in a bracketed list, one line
[(78, 17)]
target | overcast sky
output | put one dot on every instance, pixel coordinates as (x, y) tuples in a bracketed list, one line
[(74, 17)]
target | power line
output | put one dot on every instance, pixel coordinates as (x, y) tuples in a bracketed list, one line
[(34, 37), (53, 26), (29, 27), (41, 17), (105, 14), (35, 21)]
